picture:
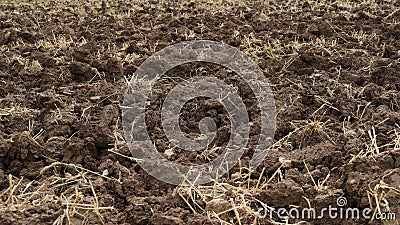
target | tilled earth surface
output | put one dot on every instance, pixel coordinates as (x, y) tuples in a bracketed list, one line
[(64, 67)]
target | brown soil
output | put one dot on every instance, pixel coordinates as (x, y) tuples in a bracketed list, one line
[(333, 69)]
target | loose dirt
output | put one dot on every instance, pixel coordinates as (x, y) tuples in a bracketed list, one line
[(64, 66)]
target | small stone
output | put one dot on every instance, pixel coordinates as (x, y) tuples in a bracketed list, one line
[(169, 152), (352, 181), (105, 172), (218, 205)]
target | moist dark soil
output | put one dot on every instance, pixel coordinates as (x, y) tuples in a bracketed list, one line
[(64, 66)]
